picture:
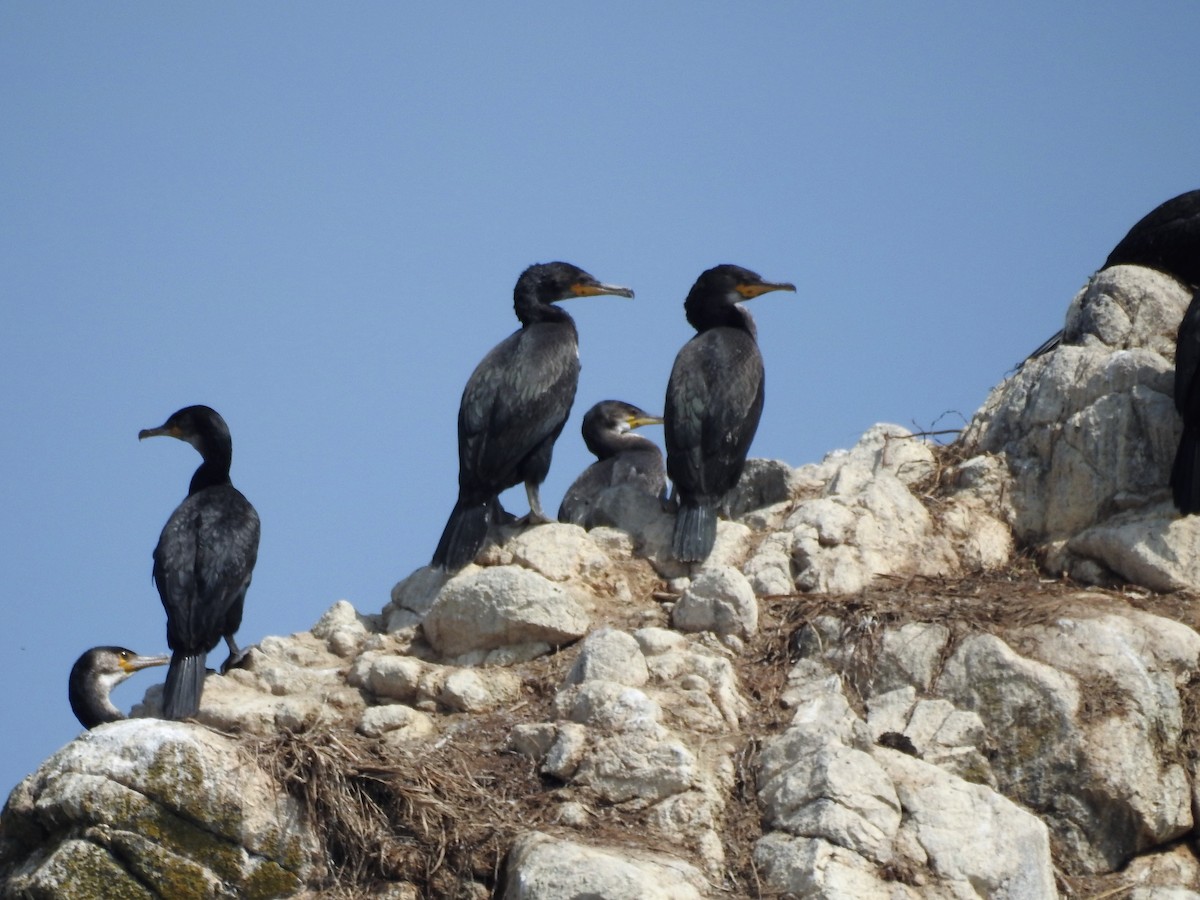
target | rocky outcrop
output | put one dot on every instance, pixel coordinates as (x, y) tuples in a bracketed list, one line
[(862, 693), (144, 808), (1076, 448)]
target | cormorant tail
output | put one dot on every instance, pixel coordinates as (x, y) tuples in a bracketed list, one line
[(1185, 474), (695, 531), (465, 532), (185, 682)]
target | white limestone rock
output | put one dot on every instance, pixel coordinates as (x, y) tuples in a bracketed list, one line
[(647, 765), (1088, 432), (412, 597), (720, 600), (821, 788), (541, 867), (478, 690), (397, 722), (501, 606), (977, 840), (219, 823), (816, 868), (1087, 760), (868, 523), (609, 655), (558, 552)]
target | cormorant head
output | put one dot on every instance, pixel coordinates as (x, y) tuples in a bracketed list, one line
[(613, 417), (204, 429), (545, 283), (95, 674), (725, 286)]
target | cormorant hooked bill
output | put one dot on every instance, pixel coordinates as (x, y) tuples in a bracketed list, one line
[(622, 457), (1166, 239), (95, 674), (1185, 473), (204, 559), (515, 405), (714, 400)]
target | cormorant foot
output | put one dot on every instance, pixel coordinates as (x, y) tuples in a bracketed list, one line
[(239, 660)]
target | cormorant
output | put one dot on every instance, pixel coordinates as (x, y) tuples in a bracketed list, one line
[(95, 674), (622, 457), (204, 559), (1166, 239), (515, 405), (1185, 473), (714, 400)]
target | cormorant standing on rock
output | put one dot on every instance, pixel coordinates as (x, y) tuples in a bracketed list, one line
[(714, 400), (204, 559), (95, 674), (1185, 473), (622, 457), (515, 405), (1166, 239)]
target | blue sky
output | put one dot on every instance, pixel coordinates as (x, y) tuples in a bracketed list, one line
[(311, 216)]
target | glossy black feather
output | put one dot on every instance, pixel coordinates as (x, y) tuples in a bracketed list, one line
[(1185, 473), (1167, 239)]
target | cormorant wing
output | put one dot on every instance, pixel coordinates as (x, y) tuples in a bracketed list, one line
[(519, 395), (1187, 364), (203, 564), (715, 396)]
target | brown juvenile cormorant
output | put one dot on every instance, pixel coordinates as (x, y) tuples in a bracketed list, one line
[(204, 559), (1166, 239), (95, 674), (515, 405), (714, 400), (1185, 473), (622, 457)]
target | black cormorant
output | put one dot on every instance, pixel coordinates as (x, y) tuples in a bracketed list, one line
[(1166, 239), (714, 400), (515, 405), (622, 457), (95, 674), (1185, 473), (204, 559)]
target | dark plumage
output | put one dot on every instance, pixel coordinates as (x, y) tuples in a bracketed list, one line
[(204, 559), (1185, 473), (622, 457), (95, 674), (1166, 239), (714, 400), (515, 405)]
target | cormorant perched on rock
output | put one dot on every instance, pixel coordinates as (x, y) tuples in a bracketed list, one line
[(515, 405), (1166, 239), (204, 559), (1185, 473), (95, 674), (714, 400), (622, 457)]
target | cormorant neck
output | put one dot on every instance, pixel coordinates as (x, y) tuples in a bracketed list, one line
[(91, 704), (705, 313), (609, 443), (217, 450), (530, 309)]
